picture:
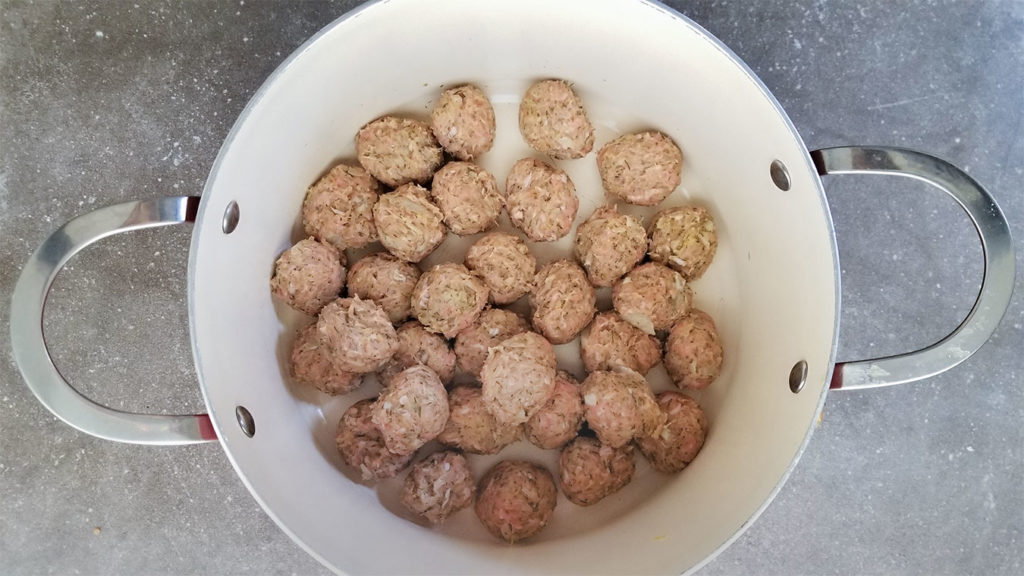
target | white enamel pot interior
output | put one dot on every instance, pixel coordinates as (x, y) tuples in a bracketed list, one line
[(772, 288)]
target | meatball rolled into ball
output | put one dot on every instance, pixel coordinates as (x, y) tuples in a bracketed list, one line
[(308, 275), (505, 264), (416, 345), (515, 500), (338, 209), (468, 197), (619, 406), (610, 342), (408, 224), (553, 121), (680, 439), (590, 471), (563, 301), (386, 280), (471, 427), (448, 299), (559, 420), (412, 411), (357, 333), (398, 151), (642, 168), (693, 353), (683, 238), (609, 244), (311, 364), (463, 122), (518, 377), (651, 297), (492, 328), (438, 486), (361, 445), (541, 200)]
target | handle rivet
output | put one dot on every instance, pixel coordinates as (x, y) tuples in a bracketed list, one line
[(245, 421), (780, 175), (230, 220), (798, 376)]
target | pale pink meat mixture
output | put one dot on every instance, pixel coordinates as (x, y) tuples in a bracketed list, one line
[(448, 299), (684, 238), (471, 427), (308, 275), (338, 209), (412, 411), (362, 446), (693, 352), (619, 406), (409, 225), (518, 377), (552, 120), (559, 420), (505, 264), (590, 471), (541, 200), (516, 499), (652, 297), (398, 151), (386, 280), (311, 365), (416, 345), (680, 439), (463, 122), (438, 486), (563, 301), (610, 342), (492, 327), (468, 197), (609, 244), (642, 168), (357, 333)]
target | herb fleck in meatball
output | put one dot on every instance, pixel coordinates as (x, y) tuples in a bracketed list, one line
[(409, 225), (312, 365), (541, 200), (463, 122), (412, 411), (618, 406), (468, 197), (386, 280), (491, 329), (563, 301), (642, 168), (471, 427), (609, 244), (357, 333), (515, 500), (362, 446), (693, 353), (518, 377), (610, 342), (652, 297), (680, 439), (418, 346), (438, 486), (553, 121), (505, 264), (559, 420), (338, 209), (590, 471), (398, 151), (308, 275), (684, 238)]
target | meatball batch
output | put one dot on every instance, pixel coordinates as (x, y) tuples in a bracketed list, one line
[(463, 122), (386, 280), (361, 445), (438, 486), (505, 264), (412, 411), (682, 437), (553, 121), (358, 334), (609, 244), (642, 168), (559, 420), (471, 428), (590, 471), (417, 345), (619, 406), (651, 297), (515, 500), (468, 197), (492, 328), (312, 365), (308, 275), (518, 377), (563, 301), (408, 224), (693, 354), (338, 209), (448, 299), (398, 151), (541, 200), (683, 238), (610, 343)]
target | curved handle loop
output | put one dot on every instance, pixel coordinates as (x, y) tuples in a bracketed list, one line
[(29, 345), (997, 250)]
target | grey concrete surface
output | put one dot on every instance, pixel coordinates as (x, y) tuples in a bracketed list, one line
[(102, 102)]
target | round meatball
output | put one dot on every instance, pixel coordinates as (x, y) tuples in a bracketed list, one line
[(680, 439), (463, 122), (609, 244), (610, 342), (693, 354), (684, 238), (468, 197), (471, 427), (515, 500), (559, 420), (409, 225), (588, 470), (541, 200), (416, 345), (386, 280), (651, 297), (619, 406), (491, 329), (397, 151), (338, 209), (518, 377), (447, 299), (357, 333), (505, 264), (312, 365), (362, 446), (412, 411), (563, 301), (642, 168), (308, 275), (438, 486), (553, 121)]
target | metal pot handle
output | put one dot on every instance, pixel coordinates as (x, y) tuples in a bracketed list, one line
[(29, 346), (996, 246)]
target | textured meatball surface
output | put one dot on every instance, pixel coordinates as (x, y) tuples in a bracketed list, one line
[(492, 328), (553, 121), (471, 427), (642, 168), (563, 301), (610, 342), (684, 238), (448, 299), (311, 365), (338, 209), (693, 352), (398, 151), (518, 377), (505, 264), (516, 499), (417, 345), (409, 225), (357, 333), (541, 200), (308, 275), (468, 197), (362, 446), (682, 437), (412, 410), (463, 122), (609, 244), (558, 421), (438, 486), (652, 297), (386, 280), (618, 406), (590, 471)]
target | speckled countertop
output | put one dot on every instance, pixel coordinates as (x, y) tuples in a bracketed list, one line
[(102, 102)]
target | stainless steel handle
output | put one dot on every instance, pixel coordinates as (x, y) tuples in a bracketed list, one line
[(29, 345), (996, 247)]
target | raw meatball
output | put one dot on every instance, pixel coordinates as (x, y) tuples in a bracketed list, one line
[(386, 280), (518, 377), (463, 122), (338, 209), (505, 264), (447, 299), (642, 168), (559, 420), (693, 354), (651, 297), (439, 486), (468, 197), (409, 225), (680, 439), (471, 427), (491, 329), (610, 342), (609, 244), (553, 121), (312, 365), (418, 346), (515, 500), (684, 238), (308, 275), (397, 151), (619, 406), (541, 200), (412, 411), (589, 470), (362, 446), (357, 333), (563, 301)]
